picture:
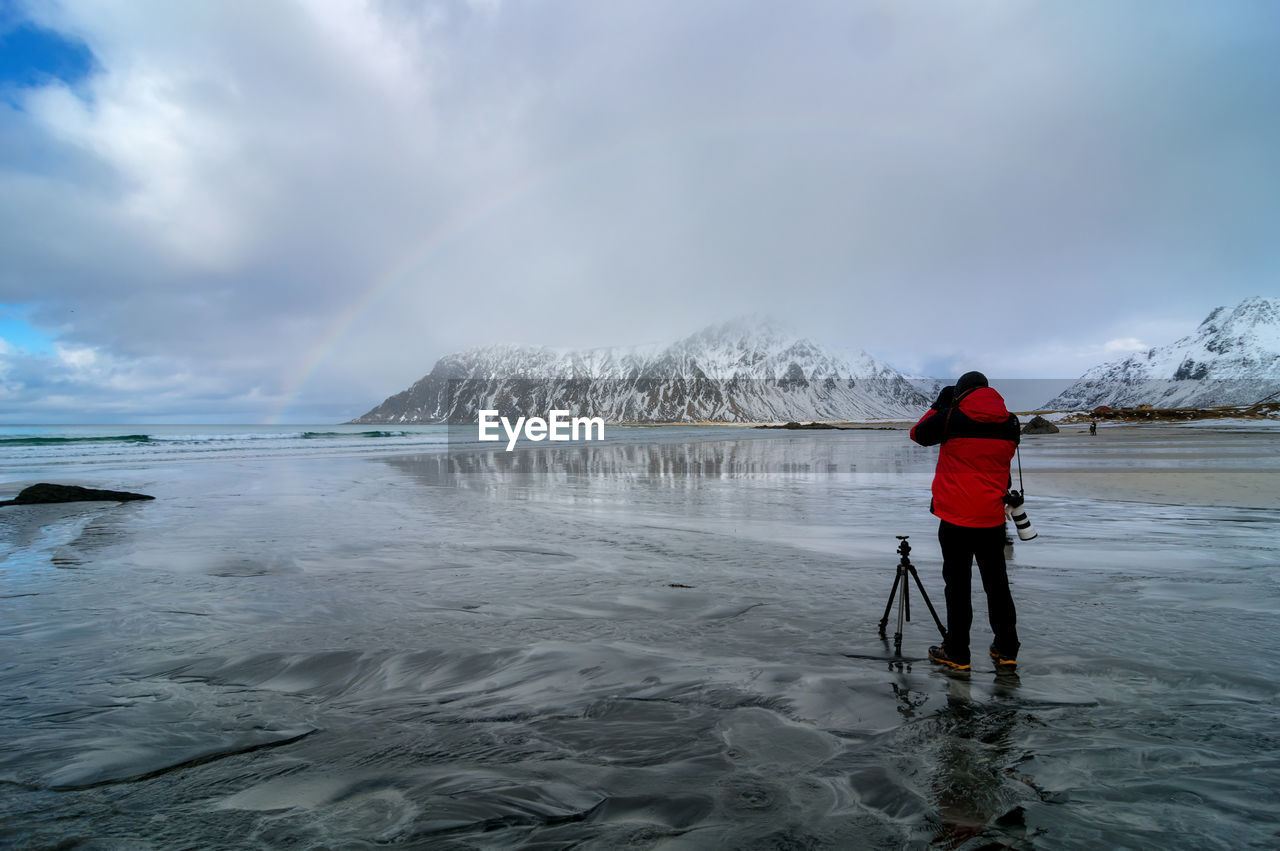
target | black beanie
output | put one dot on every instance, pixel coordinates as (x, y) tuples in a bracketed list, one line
[(970, 381)]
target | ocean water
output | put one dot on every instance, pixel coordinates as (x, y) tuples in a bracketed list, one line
[(342, 637)]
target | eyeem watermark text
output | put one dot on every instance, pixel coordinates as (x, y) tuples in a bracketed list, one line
[(557, 426)]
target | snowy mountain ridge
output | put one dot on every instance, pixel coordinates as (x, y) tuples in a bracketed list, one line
[(1232, 358), (745, 370)]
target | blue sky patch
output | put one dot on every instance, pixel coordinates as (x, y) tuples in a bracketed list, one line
[(21, 334), (33, 56)]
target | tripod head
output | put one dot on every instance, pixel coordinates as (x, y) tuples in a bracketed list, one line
[(904, 549)]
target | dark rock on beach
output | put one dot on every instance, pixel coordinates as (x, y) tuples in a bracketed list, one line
[(44, 493), (1039, 425), (795, 425)]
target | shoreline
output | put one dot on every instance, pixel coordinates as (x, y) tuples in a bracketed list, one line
[(1227, 463)]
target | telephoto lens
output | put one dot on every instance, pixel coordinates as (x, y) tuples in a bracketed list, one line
[(1013, 508)]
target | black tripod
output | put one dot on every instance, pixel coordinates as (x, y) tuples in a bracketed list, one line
[(904, 602)]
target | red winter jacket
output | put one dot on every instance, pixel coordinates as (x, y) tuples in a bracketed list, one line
[(978, 437)]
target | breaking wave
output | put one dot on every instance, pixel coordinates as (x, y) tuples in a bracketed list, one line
[(58, 441), (29, 440)]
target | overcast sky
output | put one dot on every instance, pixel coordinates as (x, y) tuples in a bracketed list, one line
[(251, 210)]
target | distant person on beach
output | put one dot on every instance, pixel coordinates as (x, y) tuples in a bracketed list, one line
[(978, 436), (1093, 428)]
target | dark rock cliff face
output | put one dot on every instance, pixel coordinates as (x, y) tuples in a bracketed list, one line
[(45, 493)]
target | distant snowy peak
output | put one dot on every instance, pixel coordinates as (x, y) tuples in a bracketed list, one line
[(738, 349), (1233, 358), (1254, 322), (1238, 343), (766, 350), (742, 370)]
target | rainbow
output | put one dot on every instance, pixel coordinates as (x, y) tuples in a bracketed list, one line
[(470, 216), (463, 220)]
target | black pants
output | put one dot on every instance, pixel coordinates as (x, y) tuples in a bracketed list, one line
[(960, 546)]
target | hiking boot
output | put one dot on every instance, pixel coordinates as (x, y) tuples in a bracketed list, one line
[(1004, 664), (939, 655)]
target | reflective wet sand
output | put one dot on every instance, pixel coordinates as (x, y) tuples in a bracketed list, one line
[(660, 644)]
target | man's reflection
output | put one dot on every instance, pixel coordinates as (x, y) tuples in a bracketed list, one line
[(970, 788)]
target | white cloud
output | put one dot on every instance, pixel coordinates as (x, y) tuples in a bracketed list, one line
[(79, 359), (1124, 345), (258, 194), (87, 384)]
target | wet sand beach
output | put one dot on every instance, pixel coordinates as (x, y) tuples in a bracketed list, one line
[(665, 642), (1172, 465)]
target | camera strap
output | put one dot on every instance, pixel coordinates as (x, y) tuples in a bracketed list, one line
[(955, 403), (1022, 489)]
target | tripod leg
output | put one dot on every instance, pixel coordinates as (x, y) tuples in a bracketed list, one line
[(893, 592), (903, 609), (923, 593)]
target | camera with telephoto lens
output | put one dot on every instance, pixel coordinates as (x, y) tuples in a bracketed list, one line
[(1013, 508)]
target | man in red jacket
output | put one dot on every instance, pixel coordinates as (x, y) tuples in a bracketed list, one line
[(978, 437)]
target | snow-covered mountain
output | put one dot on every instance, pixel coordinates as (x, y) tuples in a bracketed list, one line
[(1233, 358), (741, 371)]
